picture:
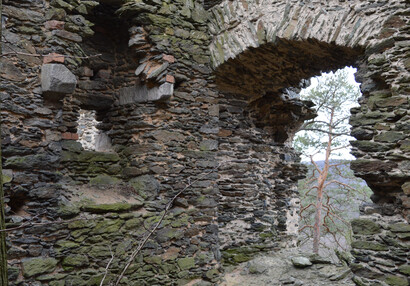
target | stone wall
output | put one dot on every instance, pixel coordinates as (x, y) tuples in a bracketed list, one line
[(381, 248), (145, 69)]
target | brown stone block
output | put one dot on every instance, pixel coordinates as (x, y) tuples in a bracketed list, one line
[(224, 133), (54, 25), (169, 78), (69, 136), (53, 58), (168, 58)]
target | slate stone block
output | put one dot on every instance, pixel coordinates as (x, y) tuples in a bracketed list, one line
[(57, 79)]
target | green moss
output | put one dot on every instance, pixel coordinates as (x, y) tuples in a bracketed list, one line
[(133, 223), (65, 244), (405, 269), (76, 260), (36, 266), (104, 180), (68, 210), (153, 260), (369, 245), (108, 226), (105, 208), (6, 179), (186, 263), (400, 227), (239, 258), (396, 280), (365, 226)]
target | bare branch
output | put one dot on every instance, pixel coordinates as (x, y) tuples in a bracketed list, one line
[(168, 206), (107, 267)]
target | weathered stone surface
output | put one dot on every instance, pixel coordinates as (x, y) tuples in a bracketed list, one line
[(57, 79), (301, 262), (37, 266), (364, 226)]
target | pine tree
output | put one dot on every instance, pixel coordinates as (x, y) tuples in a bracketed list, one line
[(328, 133)]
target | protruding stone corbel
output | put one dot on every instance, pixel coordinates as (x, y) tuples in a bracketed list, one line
[(142, 94), (57, 80)]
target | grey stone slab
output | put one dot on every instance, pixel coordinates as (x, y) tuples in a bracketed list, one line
[(57, 79)]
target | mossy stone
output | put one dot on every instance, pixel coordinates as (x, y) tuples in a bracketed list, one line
[(369, 245), (68, 210), (99, 251), (390, 137), (105, 208), (212, 274), (65, 244), (400, 227), (186, 263), (13, 272), (37, 266), (133, 223), (364, 226), (396, 280), (81, 224), (153, 260), (75, 260), (108, 226), (405, 269), (104, 180), (6, 179), (239, 258)]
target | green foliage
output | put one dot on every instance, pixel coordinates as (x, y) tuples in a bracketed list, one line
[(333, 91)]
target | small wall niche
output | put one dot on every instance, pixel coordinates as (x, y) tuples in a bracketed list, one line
[(90, 137)]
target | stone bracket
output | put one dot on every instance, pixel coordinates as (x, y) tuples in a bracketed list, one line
[(142, 94)]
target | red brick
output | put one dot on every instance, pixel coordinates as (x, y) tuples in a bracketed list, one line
[(69, 136), (54, 25), (168, 58), (53, 58), (170, 78)]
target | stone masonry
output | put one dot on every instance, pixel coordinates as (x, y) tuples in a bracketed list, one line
[(190, 92)]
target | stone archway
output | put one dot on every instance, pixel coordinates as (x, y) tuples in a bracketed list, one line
[(263, 50), (263, 47)]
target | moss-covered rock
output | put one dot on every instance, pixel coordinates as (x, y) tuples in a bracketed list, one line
[(369, 245), (108, 226), (105, 208), (365, 226), (400, 227), (396, 280), (104, 180), (146, 186), (37, 266), (75, 260), (186, 263)]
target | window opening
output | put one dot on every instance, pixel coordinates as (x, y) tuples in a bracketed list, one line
[(90, 137)]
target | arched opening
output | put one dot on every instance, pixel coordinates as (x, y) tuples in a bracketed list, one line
[(260, 111), (330, 195)]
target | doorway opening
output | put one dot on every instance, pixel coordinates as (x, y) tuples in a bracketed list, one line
[(330, 195)]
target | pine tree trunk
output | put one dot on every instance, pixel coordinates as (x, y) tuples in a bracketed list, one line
[(3, 250), (320, 189)]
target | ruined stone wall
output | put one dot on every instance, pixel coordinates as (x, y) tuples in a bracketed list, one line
[(260, 48), (145, 75), (145, 69)]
